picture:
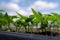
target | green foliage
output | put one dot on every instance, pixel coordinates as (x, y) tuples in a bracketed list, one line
[(2, 11), (32, 20), (37, 15)]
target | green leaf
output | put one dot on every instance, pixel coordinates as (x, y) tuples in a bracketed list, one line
[(23, 17), (37, 15)]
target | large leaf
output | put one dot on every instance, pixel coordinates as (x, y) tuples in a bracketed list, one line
[(37, 15), (22, 17)]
